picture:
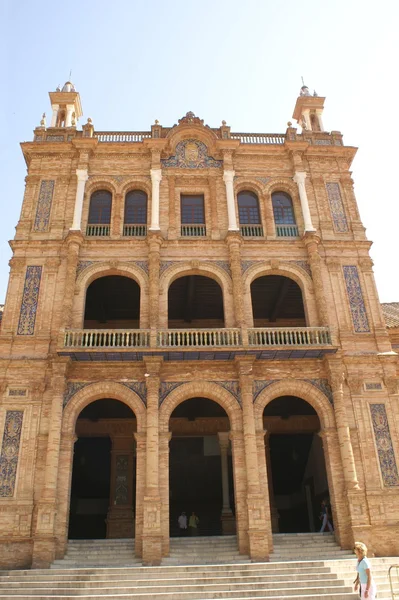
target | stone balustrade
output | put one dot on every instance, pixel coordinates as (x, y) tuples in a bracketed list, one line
[(259, 138), (198, 338), (122, 136)]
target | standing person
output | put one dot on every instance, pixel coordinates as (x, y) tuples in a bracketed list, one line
[(325, 516), (193, 524), (368, 589), (182, 522)]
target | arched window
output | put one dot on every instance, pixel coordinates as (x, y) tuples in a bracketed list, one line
[(99, 213), (284, 216), (248, 213), (135, 220)]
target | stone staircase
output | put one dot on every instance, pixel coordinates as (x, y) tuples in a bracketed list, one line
[(293, 573)]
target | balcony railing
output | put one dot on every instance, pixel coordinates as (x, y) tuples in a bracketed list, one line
[(107, 338), (289, 231), (260, 337), (206, 338), (259, 138), (97, 230), (292, 336), (135, 230), (122, 136), (193, 230), (251, 230)]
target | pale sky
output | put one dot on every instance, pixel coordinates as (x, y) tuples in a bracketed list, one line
[(236, 60)]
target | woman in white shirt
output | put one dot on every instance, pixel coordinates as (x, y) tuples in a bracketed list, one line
[(364, 577)]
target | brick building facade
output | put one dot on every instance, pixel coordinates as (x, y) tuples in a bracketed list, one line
[(193, 311)]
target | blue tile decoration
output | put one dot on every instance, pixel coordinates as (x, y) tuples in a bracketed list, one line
[(71, 389), (246, 264), (82, 265), (223, 264), (386, 455), (303, 264), (165, 264), (259, 385), (373, 386), (121, 480), (139, 387), (356, 301), (143, 265), (30, 297), (43, 208), (167, 387), (10, 451), (17, 392), (55, 138), (337, 207), (191, 154), (231, 386), (264, 180), (324, 386)]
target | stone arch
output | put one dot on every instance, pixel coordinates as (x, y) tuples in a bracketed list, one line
[(250, 184), (102, 269), (301, 389), (94, 185), (136, 183), (182, 269), (289, 187), (186, 131), (97, 391), (285, 269), (201, 389)]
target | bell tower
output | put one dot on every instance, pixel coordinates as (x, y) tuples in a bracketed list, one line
[(308, 110), (66, 106)]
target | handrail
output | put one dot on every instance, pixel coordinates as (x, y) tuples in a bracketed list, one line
[(393, 593)]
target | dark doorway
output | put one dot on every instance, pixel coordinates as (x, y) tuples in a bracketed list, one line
[(195, 480), (277, 302), (297, 466), (95, 497), (195, 301), (112, 302)]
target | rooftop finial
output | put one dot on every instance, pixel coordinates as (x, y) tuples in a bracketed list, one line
[(303, 83), (70, 74)]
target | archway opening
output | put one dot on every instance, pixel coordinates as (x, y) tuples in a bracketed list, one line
[(277, 302), (195, 301), (104, 472), (296, 466), (200, 469), (112, 302)]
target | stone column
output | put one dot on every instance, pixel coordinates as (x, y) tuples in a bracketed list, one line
[(44, 544), (154, 241), (311, 242), (228, 178), (234, 241), (240, 490), (156, 176), (164, 439), (54, 115), (120, 517), (215, 232), (319, 112), (273, 510), (343, 431), (299, 179), (140, 491), (73, 242), (257, 533), (152, 537), (172, 232), (82, 176), (227, 517)]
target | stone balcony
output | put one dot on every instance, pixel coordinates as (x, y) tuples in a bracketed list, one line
[(195, 344)]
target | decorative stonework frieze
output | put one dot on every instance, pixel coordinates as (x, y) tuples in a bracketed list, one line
[(324, 387), (139, 387), (259, 385), (55, 138), (337, 207), (166, 387), (30, 297), (386, 455), (356, 301), (231, 386), (71, 389), (373, 386), (44, 205), (191, 154), (10, 451)]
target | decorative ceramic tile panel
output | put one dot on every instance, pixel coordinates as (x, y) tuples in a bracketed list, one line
[(55, 138), (191, 154), (258, 385), (324, 386), (337, 207), (372, 386), (356, 301), (17, 392), (9, 452), (231, 386), (44, 205), (303, 264), (139, 387), (30, 297), (166, 388), (165, 264), (246, 264), (143, 265), (121, 480), (82, 265), (223, 264), (386, 455), (71, 389)]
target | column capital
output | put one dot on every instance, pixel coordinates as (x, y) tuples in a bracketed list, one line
[(311, 240), (156, 175), (224, 439), (82, 174), (228, 176), (300, 177)]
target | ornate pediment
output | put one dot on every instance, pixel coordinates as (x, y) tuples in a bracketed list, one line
[(191, 154), (191, 119)]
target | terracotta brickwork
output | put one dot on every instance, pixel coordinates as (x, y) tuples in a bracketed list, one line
[(341, 362)]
